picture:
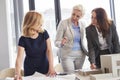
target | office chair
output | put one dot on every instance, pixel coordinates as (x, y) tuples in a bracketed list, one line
[(9, 72), (58, 68)]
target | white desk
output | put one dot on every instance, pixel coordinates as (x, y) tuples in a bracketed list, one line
[(38, 76), (83, 77)]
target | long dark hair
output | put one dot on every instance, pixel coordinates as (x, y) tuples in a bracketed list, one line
[(102, 20)]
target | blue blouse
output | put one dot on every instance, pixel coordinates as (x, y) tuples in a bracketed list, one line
[(76, 41)]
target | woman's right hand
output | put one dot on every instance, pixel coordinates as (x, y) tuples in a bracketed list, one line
[(18, 77), (93, 66), (64, 40)]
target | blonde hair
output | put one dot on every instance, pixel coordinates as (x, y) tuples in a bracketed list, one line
[(32, 19), (80, 8)]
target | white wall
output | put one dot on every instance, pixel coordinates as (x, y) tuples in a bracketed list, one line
[(4, 25)]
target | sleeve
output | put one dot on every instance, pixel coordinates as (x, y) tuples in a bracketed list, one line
[(91, 52), (115, 39), (83, 37), (60, 34), (21, 41), (46, 35)]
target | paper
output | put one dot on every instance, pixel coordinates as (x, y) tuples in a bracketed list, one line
[(42, 78), (39, 76), (86, 72)]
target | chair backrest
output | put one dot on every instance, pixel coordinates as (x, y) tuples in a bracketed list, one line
[(58, 68), (8, 72)]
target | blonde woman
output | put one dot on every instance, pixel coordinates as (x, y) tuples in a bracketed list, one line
[(69, 39), (36, 44)]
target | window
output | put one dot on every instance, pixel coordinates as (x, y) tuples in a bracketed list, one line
[(49, 19), (25, 6), (13, 39), (117, 16), (87, 4), (48, 12), (16, 17)]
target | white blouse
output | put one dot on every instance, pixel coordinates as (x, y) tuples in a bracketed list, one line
[(102, 41)]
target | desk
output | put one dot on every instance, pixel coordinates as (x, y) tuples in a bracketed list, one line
[(82, 77), (38, 76), (41, 78)]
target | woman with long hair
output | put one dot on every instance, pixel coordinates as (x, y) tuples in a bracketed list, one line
[(102, 37)]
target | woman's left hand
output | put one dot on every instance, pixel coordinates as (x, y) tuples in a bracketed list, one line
[(51, 72)]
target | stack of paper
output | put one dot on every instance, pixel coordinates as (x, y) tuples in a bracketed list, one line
[(86, 72), (38, 76), (42, 78)]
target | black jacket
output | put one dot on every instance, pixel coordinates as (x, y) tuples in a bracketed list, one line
[(94, 45)]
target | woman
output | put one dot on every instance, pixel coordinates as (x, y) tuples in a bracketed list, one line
[(69, 39), (102, 37), (37, 46)]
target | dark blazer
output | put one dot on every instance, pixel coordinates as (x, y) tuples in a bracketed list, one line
[(94, 45)]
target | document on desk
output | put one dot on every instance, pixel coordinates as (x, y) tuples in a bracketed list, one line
[(58, 77), (43, 78), (38, 76)]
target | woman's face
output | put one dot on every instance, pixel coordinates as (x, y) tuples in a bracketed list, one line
[(76, 15), (93, 18), (34, 30)]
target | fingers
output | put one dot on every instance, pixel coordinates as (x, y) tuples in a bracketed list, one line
[(93, 66), (64, 40), (17, 77), (51, 74)]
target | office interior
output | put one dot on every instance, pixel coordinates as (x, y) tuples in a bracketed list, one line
[(13, 11)]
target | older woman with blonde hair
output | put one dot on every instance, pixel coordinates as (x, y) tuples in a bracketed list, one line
[(36, 44), (69, 40)]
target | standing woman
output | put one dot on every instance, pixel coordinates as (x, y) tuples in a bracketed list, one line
[(102, 37), (69, 39), (36, 45)]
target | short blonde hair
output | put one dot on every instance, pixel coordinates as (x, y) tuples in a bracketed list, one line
[(80, 8), (31, 20)]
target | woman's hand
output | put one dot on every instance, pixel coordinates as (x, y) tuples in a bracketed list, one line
[(93, 66), (51, 72), (64, 40), (18, 77)]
